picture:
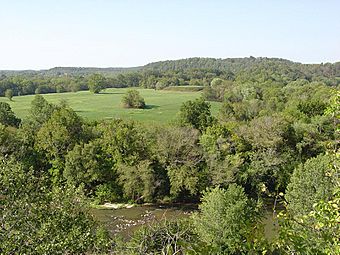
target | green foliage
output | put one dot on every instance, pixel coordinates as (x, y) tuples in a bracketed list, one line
[(58, 135), (312, 226), (271, 158), (184, 178), (86, 165), (196, 114), (313, 137), (133, 99), (96, 83), (37, 219), (124, 141), (226, 221), (217, 89), (276, 114), (40, 110), (310, 183), (314, 233), (9, 94), (165, 237), (108, 192), (127, 150), (268, 132), (138, 181), (9, 143), (312, 108), (184, 72), (179, 153), (333, 111), (217, 141), (7, 116)]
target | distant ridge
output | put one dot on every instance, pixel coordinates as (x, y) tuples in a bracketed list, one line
[(227, 64)]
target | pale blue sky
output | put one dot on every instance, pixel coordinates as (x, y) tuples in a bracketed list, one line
[(37, 34)]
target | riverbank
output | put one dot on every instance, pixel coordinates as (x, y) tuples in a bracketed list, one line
[(124, 218), (129, 217)]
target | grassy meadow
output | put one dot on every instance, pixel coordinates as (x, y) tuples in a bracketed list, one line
[(162, 106)]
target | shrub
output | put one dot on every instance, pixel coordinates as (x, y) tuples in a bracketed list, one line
[(133, 99), (165, 237)]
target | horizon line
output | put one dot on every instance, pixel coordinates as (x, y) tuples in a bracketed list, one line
[(139, 66)]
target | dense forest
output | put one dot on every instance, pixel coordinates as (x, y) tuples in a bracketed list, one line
[(275, 140), (192, 71)]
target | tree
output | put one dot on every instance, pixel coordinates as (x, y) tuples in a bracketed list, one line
[(271, 153), (133, 99), (217, 89), (310, 183), (9, 94), (86, 165), (310, 224), (138, 181), (96, 83), (9, 143), (7, 116), (38, 219), (58, 136), (178, 151), (41, 110), (124, 141), (317, 232), (196, 114), (226, 221)]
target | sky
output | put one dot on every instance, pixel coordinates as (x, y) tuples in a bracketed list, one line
[(41, 34)]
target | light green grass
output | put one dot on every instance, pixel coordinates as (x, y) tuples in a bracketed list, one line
[(162, 106)]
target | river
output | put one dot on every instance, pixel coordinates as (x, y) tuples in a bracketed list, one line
[(126, 220)]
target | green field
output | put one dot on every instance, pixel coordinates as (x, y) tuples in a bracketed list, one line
[(162, 106)]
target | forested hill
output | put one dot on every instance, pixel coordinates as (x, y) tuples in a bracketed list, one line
[(237, 65), (72, 71), (227, 64), (234, 65)]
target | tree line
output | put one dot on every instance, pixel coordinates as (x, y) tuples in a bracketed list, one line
[(159, 75)]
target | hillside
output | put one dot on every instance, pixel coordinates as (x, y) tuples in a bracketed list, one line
[(234, 65)]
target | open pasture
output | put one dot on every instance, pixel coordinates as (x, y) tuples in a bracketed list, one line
[(162, 106)]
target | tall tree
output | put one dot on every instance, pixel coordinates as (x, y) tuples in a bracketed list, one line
[(226, 221), (58, 136), (41, 110), (7, 116), (96, 83)]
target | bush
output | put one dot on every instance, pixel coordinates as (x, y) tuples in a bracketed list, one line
[(165, 237), (107, 192), (133, 99)]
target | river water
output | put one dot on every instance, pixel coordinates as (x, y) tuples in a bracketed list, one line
[(126, 220)]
